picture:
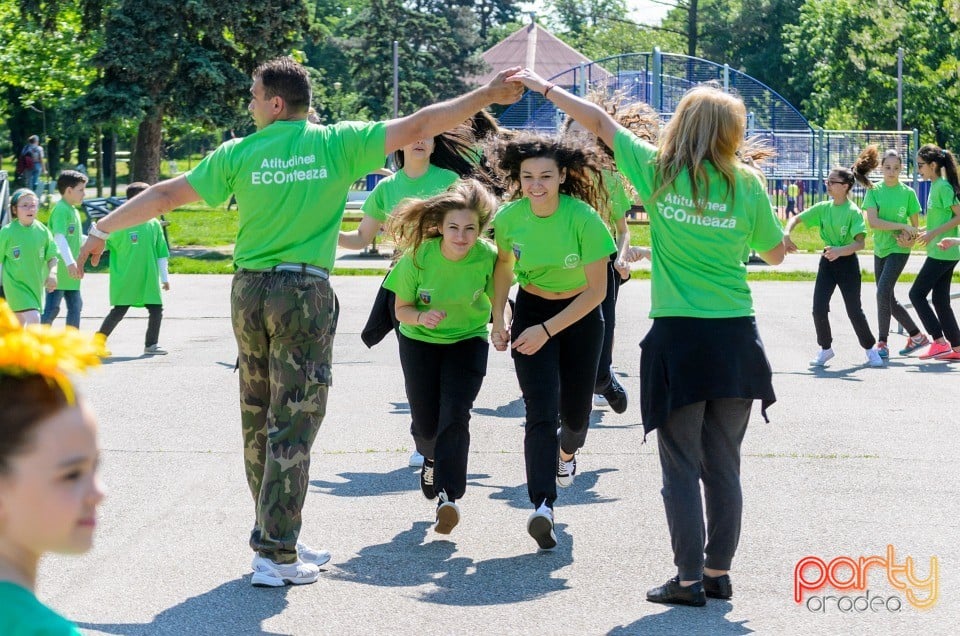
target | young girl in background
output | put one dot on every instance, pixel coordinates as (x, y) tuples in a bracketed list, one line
[(943, 216), (443, 284), (28, 258), (843, 232), (893, 210), (552, 239), (49, 490)]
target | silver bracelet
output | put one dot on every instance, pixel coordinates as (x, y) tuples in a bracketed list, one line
[(97, 232)]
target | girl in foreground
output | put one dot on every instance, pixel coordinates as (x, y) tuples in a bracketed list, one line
[(443, 285), (49, 490)]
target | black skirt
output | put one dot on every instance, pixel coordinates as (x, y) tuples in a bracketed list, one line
[(689, 360)]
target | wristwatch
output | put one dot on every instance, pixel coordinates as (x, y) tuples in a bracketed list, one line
[(97, 232)]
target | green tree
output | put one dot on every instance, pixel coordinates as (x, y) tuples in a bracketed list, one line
[(598, 29), (188, 60), (850, 53), (436, 51)]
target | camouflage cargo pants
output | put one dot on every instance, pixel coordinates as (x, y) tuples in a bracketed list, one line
[(284, 323)]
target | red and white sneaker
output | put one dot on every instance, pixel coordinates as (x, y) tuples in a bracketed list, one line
[(950, 356), (936, 349)]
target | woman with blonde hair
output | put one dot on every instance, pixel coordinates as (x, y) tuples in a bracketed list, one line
[(443, 284), (702, 363)]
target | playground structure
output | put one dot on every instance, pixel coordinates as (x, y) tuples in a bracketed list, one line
[(804, 153)]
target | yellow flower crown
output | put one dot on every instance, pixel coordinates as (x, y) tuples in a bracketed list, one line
[(53, 353)]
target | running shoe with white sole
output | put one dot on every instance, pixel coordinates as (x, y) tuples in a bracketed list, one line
[(540, 527), (267, 573)]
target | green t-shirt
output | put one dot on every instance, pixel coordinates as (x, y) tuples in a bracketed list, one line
[(617, 197), (390, 191), (839, 224), (461, 288), (941, 198), (291, 181), (697, 269), (21, 614), (134, 272), (793, 190), (24, 252), (895, 204), (66, 220), (550, 252)]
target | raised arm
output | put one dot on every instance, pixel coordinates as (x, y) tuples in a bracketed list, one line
[(433, 120), (587, 114)]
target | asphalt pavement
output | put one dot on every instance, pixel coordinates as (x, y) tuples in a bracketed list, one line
[(854, 459)]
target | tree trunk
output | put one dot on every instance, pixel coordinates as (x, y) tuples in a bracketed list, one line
[(83, 151), (146, 150), (692, 30)]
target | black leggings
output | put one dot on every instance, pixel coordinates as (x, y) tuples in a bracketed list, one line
[(442, 381), (153, 322), (845, 274), (939, 321), (609, 309), (557, 384), (888, 270)]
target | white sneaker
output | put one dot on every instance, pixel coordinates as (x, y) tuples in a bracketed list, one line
[(448, 515), (154, 350), (416, 460), (266, 573), (540, 527), (311, 556), (873, 357), (822, 358), (566, 471), (599, 401)]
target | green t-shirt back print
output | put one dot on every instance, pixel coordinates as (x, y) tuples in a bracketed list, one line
[(291, 181)]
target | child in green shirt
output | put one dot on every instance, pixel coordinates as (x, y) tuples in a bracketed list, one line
[(843, 232), (28, 258), (65, 226), (138, 269), (49, 491)]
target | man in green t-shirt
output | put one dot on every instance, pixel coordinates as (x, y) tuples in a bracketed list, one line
[(290, 179)]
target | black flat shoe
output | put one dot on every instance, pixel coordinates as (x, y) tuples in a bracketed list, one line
[(675, 594), (718, 586)]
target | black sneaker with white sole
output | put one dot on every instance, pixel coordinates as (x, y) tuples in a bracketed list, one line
[(616, 396), (540, 527)]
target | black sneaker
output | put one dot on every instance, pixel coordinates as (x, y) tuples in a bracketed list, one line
[(426, 479), (616, 396), (675, 594), (540, 527), (718, 586)]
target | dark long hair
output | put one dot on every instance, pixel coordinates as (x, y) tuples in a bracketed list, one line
[(26, 402), (945, 162), (583, 165)]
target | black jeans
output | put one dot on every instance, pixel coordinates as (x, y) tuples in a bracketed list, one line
[(442, 381), (939, 321), (153, 322), (845, 274), (888, 270), (609, 309), (700, 442), (557, 384)]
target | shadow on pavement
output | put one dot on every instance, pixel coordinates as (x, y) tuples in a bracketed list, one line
[(412, 559), (235, 607), (686, 620), (510, 410), (580, 493), (375, 484)]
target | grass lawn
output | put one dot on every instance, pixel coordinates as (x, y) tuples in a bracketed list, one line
[(199, 225)]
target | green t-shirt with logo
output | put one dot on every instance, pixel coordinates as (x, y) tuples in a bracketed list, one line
[(461, 288), (134, 271), (21, 614), (390, 191), (895, 204), (24, 253), (839, 224), (65, 219), (939, 201), (290, 180), (697, 269), (550, 252)]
